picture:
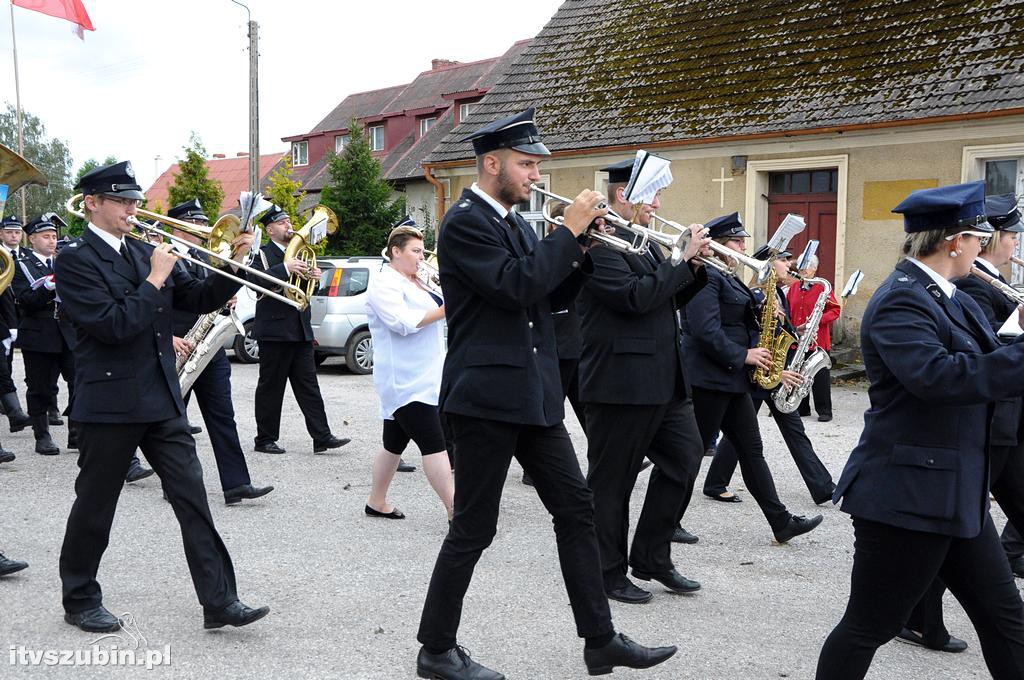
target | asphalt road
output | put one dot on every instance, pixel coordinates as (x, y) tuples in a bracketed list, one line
[(346, 590)]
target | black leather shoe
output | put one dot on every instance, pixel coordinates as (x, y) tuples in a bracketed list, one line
[(246, 491), (681, 535), (272, 447), (671, 579), (72, 440), (622, 651), (45, 446), (952, 646), (137, 472), (331, 443), (97, 620), (1017, 566), (6, 456), (825, 497), (9, 566), (797, 525), (194, 429), (826, 417), (454, 664), (629, 593), (235, 614), (53, 417), (18, 420), (405, 467)]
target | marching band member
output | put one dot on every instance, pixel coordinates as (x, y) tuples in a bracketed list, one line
[(501, 392), (637, 400), (408, 353), (285, 336), (120, 294), (720, 333), (801, 298), (10, 235), (916, 484)]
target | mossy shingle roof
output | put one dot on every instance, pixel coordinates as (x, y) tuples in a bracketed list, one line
[(633, 72)]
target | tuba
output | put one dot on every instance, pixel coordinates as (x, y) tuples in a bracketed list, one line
[(15, 172), (323, 221), (777, 343), (806, 364)]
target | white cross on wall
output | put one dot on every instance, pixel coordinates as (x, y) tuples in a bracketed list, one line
[(722, 179)]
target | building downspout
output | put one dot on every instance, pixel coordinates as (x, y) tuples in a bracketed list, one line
[(438, 190)]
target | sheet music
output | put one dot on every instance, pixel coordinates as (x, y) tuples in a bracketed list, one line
[(1011, 327)]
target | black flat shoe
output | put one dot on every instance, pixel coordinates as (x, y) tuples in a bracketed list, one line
[(271, 447), (96, 620), (394, 514), (454, 664), (722, 498), (681, 535), (246, 491), (796, 526), (235, 614), (405, 467), (671, 579), (9, 566), (628, 593), (331, 443), (952, 646), (622, 651)]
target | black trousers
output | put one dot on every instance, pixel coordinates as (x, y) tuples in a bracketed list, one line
[(41, 372), (213, 393), (618, 438), (821, 390), (290, 362), (893, 567), (569, 370), (486, 448), (104, 453), (815, 475), (733, 414)]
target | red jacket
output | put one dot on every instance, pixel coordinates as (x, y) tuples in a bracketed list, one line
[(801, 302)]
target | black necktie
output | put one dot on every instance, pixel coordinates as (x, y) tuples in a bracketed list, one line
[(49, 263), (125, 255), (517, 232)]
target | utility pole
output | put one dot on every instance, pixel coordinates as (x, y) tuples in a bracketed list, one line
[(254, 102)]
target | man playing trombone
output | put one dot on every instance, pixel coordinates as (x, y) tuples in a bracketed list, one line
[(120, 294)]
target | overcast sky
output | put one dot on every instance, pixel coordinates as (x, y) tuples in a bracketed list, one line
[(154, 71)]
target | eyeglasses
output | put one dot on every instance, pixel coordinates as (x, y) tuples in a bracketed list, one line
[(124, 202), (983, 237)]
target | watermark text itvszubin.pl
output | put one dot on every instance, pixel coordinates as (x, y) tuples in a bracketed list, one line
[(95, 655)]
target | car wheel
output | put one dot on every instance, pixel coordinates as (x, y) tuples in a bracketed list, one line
[(247, 350), (359, 353)]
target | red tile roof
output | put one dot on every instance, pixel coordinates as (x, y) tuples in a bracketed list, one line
[(233, 174)]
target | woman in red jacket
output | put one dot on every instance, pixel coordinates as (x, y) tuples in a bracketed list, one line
[(801, 299)]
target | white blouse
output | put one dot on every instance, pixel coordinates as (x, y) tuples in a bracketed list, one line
[(407, 360)]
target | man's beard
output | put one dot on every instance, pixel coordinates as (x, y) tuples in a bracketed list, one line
[(508, 192)]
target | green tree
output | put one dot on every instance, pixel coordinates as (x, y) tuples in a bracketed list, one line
[(193, 181), (283, 190), (51, 156), (361, 199), (77, 224)]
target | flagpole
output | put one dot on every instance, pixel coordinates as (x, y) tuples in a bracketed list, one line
[(17, 95)]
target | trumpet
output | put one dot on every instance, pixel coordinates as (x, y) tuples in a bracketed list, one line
[(215, 252), (679, 243), (427, 271), (638, 246)]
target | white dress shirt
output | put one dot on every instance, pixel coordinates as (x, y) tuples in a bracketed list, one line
[(113, 241), (945, 285), (407, 360)]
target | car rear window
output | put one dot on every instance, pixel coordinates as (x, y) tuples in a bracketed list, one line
[(343, 281)]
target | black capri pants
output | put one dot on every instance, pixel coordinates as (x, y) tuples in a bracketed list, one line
[(418, 422)]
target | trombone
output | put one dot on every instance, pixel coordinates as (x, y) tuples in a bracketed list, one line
[(760, 267), (215, 251)]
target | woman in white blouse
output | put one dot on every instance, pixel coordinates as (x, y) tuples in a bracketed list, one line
[(408, 354)]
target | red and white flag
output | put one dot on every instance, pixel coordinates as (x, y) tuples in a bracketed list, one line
[(71, 10)]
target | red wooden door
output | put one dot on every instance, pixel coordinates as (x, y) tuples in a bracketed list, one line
[(819, 212)]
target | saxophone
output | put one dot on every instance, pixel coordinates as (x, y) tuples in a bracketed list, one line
[(208, 335), (807, 365), (777, 343)]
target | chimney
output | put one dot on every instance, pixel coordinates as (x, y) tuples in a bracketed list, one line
[(241, 154), (436, 64), (219, 155)]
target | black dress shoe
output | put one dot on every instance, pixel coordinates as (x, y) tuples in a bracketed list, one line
[(53, 417), (18, 420), (97, 620), (9, 566), (235, 614), (270, 447), (454, 664), (681, 535), (6, 456), (629, 593), (825, 497), (72, 440), (622, 651), (194, 429), (405, 467), (1017, 566), (797, 525), (246, 491), (527, 479), (45, 446), (330, 443), (824, 418), (952, 646), (137, 472), (671, 579)]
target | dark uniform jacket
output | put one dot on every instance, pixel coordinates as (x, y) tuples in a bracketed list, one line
[(276, 320), (934, 366), (124, 359), (719, 325), (567, 332), (631, 343), (184, 320), (42, 327), (502, 361), (8, 309)]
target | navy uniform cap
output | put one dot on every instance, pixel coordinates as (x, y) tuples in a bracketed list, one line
[(275, 214), (956, 206), (117, 179), (619, 173), (189, 210), (726, 226), (517, 132), (406, 222), (1003, 214), (41, 223), (10, 222)]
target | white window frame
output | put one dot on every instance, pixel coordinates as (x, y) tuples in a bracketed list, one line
[(465, 110), (973, 168), (371, 137), (534, 215), (426, 124), (296, 154), (340, 141)]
